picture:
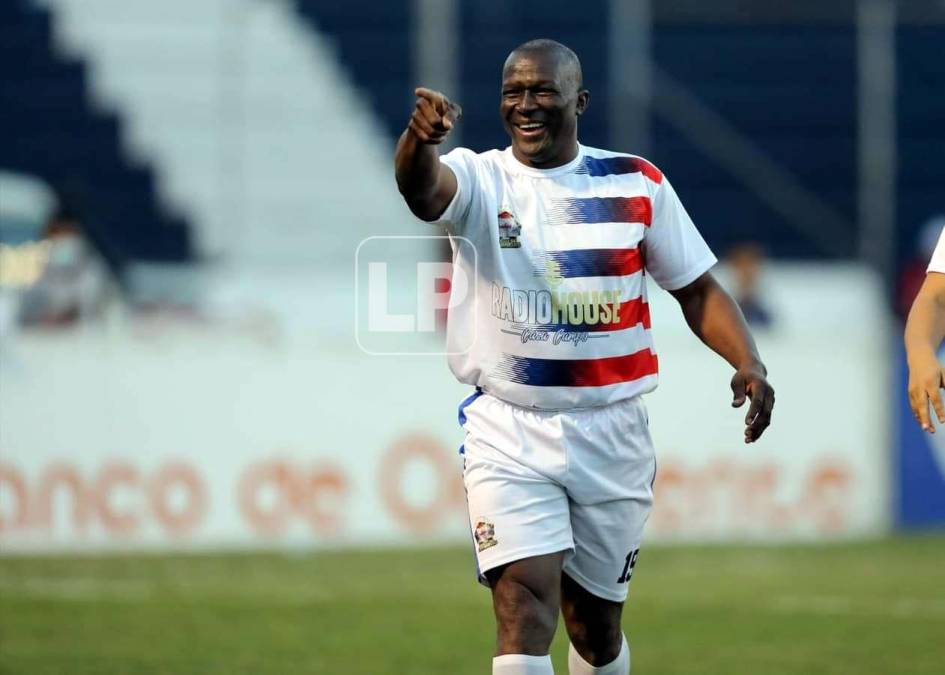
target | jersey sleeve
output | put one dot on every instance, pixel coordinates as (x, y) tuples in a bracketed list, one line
[(676, 254), (463, 163), (937, 263)]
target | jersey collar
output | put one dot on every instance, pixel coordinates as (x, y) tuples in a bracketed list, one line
[(516, 166)]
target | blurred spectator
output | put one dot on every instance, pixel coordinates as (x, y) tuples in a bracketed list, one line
[(746, 262), (26, 203), (74, 281), (913, 272)]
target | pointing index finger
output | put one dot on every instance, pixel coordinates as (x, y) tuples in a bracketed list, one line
[(438, 100)]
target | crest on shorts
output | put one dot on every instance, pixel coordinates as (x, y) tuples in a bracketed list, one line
[(484, 532), (509, 230)]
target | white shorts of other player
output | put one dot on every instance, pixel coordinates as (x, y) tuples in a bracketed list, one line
[(578, 480)]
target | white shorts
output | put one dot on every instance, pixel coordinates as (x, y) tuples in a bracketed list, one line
[(580, 481)]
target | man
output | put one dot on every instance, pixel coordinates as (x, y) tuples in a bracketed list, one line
[(925, 329), (558, 460)]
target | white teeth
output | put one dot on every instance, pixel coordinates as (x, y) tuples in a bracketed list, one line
[(532, 125)]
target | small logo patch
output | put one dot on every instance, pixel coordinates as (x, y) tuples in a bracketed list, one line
[(509, 230), (484, 532), (553, 273)]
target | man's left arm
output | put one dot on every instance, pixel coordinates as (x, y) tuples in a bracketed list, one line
[(715, 318)]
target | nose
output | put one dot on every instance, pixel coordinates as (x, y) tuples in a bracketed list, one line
[(527, 102)]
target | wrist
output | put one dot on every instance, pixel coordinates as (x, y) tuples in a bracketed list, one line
[(920, 354), (753, 363)]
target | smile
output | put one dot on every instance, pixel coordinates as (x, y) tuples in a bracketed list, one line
[(530, 128)]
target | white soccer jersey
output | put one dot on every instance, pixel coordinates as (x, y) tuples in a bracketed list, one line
[(937, 263), (561, 319)]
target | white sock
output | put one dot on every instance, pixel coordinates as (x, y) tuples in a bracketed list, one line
[(522, 664), (619, 666)]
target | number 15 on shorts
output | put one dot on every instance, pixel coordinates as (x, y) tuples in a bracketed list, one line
[(628, 567)]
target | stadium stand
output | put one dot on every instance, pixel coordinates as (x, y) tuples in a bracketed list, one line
[(254, 128), (755, 72), (50, 130), (491, 30), (754, 76), (222, 98), (921, 109), (759, 79), (373, 40)]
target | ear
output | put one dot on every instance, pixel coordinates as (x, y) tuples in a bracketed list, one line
[(583, 99)]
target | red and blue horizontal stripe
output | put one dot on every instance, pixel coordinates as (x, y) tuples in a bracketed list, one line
[(577, 372), (589, 210), (596, 262), (617, 166)]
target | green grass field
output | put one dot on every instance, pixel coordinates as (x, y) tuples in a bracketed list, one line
[(863, 608)]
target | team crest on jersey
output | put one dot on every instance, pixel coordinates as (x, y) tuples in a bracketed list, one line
[(509, 230), (484, 532)]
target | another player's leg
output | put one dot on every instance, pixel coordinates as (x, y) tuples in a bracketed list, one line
[(598, 645), (526, 597)]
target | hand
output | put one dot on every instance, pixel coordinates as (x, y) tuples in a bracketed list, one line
[(751, 382), (434, 116), (925, 380)]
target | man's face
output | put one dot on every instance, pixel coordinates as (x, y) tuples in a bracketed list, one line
[(539, 108)]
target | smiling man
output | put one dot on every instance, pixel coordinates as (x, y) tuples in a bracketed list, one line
[(559, 465)]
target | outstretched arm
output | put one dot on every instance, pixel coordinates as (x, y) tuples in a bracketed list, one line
[(925, 329), (715, 318), (428, 186)]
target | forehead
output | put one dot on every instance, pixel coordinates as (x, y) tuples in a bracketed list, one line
[(533, 67)]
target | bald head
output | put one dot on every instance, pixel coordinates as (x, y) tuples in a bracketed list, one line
[(542, 98), (565, 60)]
